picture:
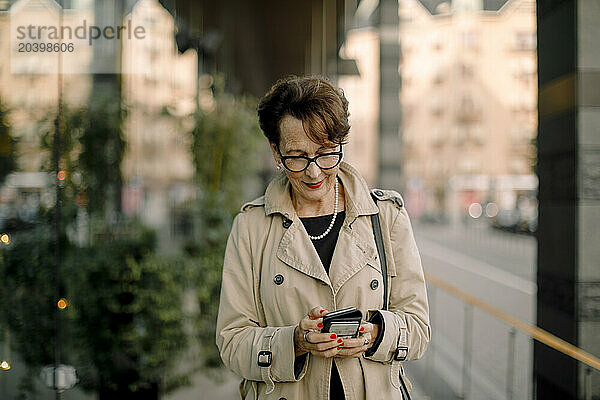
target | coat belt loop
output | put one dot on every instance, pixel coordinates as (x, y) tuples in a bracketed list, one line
[(402, 349), (265, 364)]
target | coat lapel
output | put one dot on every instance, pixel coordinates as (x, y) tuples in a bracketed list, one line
[(296, 250), (352, 253)]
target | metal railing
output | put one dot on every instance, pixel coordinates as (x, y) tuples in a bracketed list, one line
[(534, 332)]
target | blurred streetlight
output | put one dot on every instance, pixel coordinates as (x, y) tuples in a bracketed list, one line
[(4, 238), (5, 365)]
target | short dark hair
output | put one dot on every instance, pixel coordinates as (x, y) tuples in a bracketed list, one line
[(322, 108)]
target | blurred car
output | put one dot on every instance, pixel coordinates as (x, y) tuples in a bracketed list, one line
[(512, 220), (507, 220)]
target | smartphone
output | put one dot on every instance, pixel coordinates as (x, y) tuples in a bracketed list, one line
[(344, 322)]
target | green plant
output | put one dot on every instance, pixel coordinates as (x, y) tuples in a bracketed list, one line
[(225, 148), (225, 151), (27, 293), (128, 306), (91, 149), (102, 149), (123, 329)]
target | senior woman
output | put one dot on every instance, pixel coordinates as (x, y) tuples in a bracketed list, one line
[(306, 248)]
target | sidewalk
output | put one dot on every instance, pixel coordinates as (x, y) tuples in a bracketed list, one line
[(204, 387)]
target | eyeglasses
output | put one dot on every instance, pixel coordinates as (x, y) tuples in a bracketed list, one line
[(300, 163)]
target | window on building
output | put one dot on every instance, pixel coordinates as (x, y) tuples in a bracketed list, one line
[(466, 70), (436, 106), (437, 137), (525, 40), (438, 77), (477, 134), (468, 110), (469, 40), (460, 134)]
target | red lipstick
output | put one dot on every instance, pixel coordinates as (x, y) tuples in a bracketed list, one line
[(314, 185)]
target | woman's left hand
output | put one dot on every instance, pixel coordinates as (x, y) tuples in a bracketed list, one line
[(355, 347)]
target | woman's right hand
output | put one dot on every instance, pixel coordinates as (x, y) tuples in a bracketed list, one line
[(319, 344)]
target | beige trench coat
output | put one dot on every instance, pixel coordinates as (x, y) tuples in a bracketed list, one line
[(272, 277)]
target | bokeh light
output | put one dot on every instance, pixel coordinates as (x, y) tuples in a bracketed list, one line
[(5, 238), (475, 210), (62, 304), (491, 210), (5, 365), (61, 175)]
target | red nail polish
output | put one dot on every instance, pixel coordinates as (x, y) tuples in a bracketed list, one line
[(339, 348), (320, 325), (340, 340), (322, 311), (333, 336), (362, 328)]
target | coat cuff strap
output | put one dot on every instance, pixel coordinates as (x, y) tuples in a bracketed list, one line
[(265, 360), (393, 345)]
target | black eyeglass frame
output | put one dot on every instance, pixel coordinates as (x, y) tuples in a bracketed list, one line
[(310, 159)]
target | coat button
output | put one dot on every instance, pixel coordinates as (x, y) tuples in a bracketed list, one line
[(278, 279), (374, 284), (287, 223), (378, 192)]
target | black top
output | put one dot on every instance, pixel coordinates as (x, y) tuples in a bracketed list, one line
[(315, 226), (325, 247)]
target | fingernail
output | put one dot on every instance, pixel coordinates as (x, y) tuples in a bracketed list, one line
[(322, 311), (362, 328), (333, 336), (340, 341), (320, 325)]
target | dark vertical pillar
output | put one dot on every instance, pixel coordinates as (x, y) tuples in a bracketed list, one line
[(588, 188), (107, 53), (569, 194), (389, 96)]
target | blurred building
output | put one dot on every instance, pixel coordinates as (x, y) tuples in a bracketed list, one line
[(29, 88), (29, 83), (158, 89), (469, 103)]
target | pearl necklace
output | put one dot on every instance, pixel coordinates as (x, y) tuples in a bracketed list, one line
[(335, 212)]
